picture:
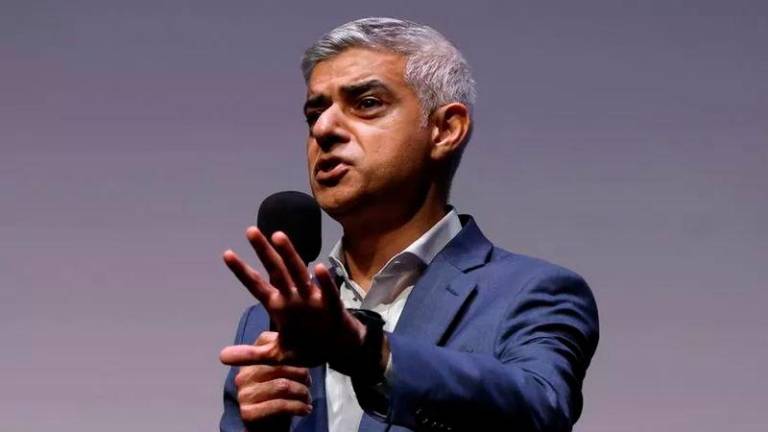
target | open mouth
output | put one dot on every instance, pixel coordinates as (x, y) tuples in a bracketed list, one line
[(330, 171)]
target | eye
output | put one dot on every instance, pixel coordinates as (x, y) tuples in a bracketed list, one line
[(368, 103)]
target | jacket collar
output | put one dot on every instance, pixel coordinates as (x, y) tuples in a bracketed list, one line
[(469, 249)]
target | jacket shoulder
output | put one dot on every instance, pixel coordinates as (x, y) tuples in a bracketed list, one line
[(511, 264), (252, 322)]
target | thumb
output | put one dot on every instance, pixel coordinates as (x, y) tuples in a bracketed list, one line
[(244, 355)]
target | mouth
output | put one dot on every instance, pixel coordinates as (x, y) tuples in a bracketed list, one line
[(330, 171)]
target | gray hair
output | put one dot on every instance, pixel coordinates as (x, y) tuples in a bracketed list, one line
[(435, 69)]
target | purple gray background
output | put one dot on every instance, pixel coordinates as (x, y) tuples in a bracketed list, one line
[(626, 140)]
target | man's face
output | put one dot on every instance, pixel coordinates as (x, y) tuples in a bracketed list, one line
[(367, 147)]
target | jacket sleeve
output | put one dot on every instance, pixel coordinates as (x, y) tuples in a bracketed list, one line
[(531, 382), (230, 419)]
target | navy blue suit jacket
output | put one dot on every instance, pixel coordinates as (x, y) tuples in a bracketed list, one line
[(488, 340)]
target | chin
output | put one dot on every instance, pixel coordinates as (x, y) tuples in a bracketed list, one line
[(336, 201)]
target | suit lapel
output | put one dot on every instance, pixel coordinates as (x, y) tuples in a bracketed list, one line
[(440, 293), (434, 302), (444, 286)]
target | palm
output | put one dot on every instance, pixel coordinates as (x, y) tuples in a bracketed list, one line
[(307, 313)]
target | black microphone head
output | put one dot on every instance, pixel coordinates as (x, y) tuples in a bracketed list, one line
[(298, 216)]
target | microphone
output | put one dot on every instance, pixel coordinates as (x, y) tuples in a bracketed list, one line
[(298, 216)]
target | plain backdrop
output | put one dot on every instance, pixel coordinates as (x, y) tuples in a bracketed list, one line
[(625, 140)]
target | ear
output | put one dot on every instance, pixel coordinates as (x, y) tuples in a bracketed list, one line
[(450, 125)]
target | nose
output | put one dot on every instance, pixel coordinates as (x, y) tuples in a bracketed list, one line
[(329, 129)]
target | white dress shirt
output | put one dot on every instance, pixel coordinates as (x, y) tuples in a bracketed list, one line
[(387, 295)]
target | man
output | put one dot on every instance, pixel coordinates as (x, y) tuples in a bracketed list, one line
[(463, 335)]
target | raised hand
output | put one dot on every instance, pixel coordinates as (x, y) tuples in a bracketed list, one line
[(310, 319)]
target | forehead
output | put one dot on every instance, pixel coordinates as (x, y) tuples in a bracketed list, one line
[(356, 65)]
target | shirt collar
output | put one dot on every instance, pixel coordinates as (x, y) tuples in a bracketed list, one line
[(425, 248)]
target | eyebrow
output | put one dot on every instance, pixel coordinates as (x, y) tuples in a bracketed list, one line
[(363, 87), (349, 91)]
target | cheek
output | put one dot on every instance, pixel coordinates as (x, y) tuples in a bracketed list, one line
[(404, 144), (397, 162), (389, 152), (311, 152)]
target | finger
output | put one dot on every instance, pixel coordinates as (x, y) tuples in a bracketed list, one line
[(278, 388), (272, 261), (328, 289), (266, 337), (266, 409), (272, 338), (244, 355), (263, 373), (293, 261), (248, 277)]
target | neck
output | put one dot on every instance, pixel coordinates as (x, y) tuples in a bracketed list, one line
[(371, 242)]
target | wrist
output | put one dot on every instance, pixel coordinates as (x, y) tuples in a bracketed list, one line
[(365, 360)]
